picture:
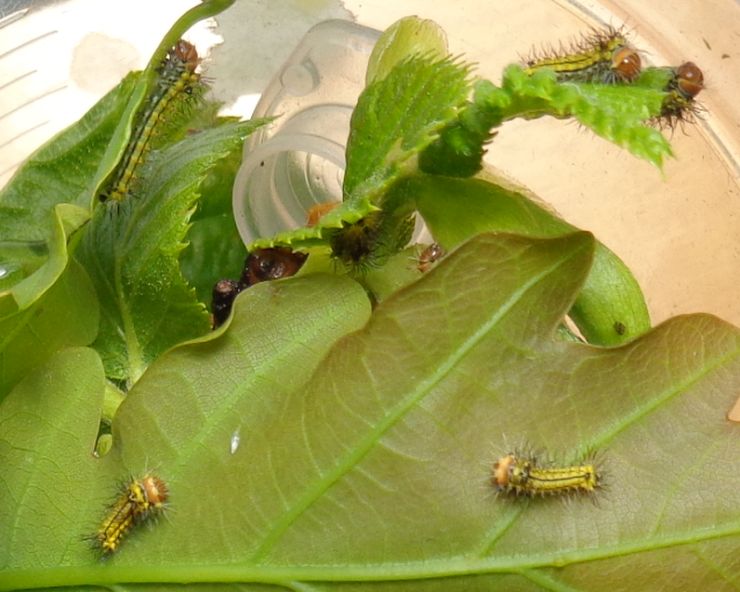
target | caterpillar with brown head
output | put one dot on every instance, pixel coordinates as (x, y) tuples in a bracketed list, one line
[(177, 77), (139, 501), (679, 105), (521, 475), (604, 56)]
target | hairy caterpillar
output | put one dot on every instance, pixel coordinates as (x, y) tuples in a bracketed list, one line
[(139, 500), (177, 77), (521, 475), (604, 56), (679, 105), (354, 244), (369, 242)]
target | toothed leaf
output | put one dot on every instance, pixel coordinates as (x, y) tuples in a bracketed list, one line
[(131, 251), (396, 117)]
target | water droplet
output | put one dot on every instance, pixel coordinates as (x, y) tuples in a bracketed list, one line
[(235, 438), (20, 259), (10, 273)]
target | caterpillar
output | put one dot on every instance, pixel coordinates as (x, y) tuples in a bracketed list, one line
[(139, 501), (517, 475), (354, 244), (176, 77), (367, 243), (604, 56), (679, 105)]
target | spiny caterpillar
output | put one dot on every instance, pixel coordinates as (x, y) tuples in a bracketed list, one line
[(139, 501), (604, 56), (686, 82), (177, 77), (355, 244), (521, 476), (369, 242)]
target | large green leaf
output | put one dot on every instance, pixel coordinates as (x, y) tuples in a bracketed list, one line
[(53, 493), (375, 473), (47, 435), (67, 314), (215, 250), (610, 308), (396, 117), (54, 307), (131, 251), (48, 199)]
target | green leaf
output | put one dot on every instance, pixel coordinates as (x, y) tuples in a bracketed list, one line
[(65, 315), (215, 250), (399, 271), (459, 150), (406, 37), (396, 117), (615, 112), (54, 492), (620, 113), (48, 424), (375, 473), (610, 309), (28, 283), (54, 307), (60, 171), (131, 251), (35, 223)]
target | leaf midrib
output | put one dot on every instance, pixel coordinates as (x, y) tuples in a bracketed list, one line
[(405, 571)]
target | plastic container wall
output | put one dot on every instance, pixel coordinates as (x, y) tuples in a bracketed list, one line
[(298, 160)]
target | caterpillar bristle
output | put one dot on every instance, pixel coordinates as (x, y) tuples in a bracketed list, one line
[(680, 106), (601, 55)]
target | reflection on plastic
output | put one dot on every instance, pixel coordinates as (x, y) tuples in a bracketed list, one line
[(298, 161)]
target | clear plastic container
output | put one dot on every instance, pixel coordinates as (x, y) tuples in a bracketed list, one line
[(298, 160)]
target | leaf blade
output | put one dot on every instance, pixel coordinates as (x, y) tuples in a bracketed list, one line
[(400, 461), (131, 251)]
